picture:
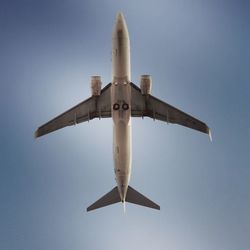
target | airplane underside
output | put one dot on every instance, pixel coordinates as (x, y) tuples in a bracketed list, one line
[(132, 196), (120, 100)]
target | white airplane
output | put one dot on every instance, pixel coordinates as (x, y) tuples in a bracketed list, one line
[(121, 100)]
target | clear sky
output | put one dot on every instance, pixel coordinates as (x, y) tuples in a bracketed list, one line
[(198, 54)]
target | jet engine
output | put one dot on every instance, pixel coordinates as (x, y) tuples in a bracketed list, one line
[(96, 85), (146, 84)]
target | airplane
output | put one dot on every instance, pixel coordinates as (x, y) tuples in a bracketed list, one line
[(121, 99)]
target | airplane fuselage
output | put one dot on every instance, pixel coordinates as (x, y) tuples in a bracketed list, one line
[(121, 99), (121, 105)]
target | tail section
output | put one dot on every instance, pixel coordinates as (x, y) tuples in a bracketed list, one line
[(108, 199), (135, 197), (132, 196)]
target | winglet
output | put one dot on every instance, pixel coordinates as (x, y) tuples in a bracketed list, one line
[(36, 134), (210, 134)]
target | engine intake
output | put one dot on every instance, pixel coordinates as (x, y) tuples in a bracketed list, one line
[(146, 84), (96, 85)]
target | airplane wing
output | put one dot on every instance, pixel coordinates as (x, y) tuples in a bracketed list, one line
[(148, 105), (95, 106)]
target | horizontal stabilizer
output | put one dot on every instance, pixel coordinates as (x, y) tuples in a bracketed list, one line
[(135, 197), (108, 199)]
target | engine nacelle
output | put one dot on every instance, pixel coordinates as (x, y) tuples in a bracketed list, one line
[(146, 84), (96, 85)]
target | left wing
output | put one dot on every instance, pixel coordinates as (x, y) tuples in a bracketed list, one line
[(148, 105), (95, 106)]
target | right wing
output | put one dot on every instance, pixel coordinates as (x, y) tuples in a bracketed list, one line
[(95, 106), (148, 105)]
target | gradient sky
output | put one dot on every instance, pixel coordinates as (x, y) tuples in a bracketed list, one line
[(198, 54)]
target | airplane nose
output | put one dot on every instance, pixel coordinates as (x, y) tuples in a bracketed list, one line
[(120, 17), (120, 28)]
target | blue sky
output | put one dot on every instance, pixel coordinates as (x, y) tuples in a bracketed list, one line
[(197, 53)]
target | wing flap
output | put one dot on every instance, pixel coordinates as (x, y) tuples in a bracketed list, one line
[(95, 106), (150, 106)]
